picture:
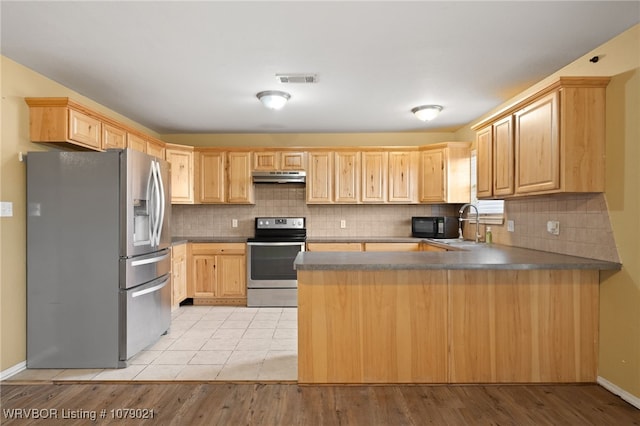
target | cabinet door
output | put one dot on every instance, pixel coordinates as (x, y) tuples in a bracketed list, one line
[(239, 183), (181, 175), (374, 176), (319, 179), (503, 158), (537, 146), (484, 163), (293, 160), (391, 246), (211, 171), (179, 274), (136, 142), (113, 137), (156, 149), (334, 246), (433, 176), (231, 276), (347, 177), (265, 161), (85, 129), (403, 177), (204, 275)]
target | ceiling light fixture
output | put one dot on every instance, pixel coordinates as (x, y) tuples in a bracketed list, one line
[(273, 99), (427, 112)]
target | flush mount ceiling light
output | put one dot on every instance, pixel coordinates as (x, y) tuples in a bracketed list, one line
[(427, 112), (273, 99)]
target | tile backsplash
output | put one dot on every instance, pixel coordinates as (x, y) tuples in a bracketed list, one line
[(289, 200), (585, 229)]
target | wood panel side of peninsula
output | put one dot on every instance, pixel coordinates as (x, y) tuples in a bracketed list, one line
[(447, 326)]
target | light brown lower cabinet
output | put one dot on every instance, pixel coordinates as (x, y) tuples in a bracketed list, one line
[(218, 274), (438, 326), (334, 246), (178, 274), (392, 246)]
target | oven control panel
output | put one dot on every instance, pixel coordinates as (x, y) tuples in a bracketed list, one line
[(280, 223)]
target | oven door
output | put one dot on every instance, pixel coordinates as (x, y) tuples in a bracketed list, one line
[(270, 264)]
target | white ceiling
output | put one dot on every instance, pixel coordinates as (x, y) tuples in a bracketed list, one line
[(195, 67)]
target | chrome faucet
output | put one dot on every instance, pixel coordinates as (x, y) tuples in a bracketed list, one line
[(461, 220)]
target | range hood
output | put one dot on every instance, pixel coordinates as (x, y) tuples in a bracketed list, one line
[(279, 176)]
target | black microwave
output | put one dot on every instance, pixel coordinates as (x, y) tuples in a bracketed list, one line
[(434, 227)]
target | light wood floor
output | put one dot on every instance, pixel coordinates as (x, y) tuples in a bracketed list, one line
[(290, 404)]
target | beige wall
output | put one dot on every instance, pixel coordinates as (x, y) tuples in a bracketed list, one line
[(17, 83), (620, 291)]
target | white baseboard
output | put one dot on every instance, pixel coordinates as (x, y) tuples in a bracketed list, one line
[(631, 399), (5, 374)]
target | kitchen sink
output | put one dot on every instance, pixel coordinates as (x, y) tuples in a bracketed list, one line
[(455, 242)]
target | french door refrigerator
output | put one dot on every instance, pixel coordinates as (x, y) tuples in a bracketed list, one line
[(98, 257)]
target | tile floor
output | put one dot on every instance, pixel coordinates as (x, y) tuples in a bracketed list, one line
[(208, 343)]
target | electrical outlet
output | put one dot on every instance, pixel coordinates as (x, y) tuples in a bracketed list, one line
[(343, 224), (553, 227), (511, 227), (234, 223), (6, 209)]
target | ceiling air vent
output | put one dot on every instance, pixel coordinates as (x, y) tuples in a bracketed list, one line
[(297, 78)]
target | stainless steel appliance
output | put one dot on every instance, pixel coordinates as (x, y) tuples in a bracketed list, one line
[(98, 258), (271, 279), (279, 176), (434, 226)]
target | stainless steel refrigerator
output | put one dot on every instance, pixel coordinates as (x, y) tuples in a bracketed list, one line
[(98, 257)]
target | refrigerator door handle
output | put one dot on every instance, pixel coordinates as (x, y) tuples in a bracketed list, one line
[(150, 289), (162, 202), (150, 260), (150, 206), (155, 205)]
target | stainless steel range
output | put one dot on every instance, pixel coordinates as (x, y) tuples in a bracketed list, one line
[(271, 279)]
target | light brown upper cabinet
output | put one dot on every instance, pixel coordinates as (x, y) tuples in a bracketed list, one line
[(62, 122), (136, 142), (182, 176), (239, 183), (320, 177), (68, 124), (375, 166), (224, 177), (347, 177), (279, 160), (558, 140), (403, 177), (445, 173), (211, 176), (503, 157), (156, 148), (113, 137), (484, 162)]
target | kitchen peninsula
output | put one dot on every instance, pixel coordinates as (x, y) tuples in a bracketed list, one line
[(483, 314)]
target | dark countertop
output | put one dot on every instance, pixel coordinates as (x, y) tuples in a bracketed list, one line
[(182, 240), (467, 255), (364, 240)]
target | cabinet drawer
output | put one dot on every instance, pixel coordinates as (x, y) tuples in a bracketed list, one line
[(218, 248), (334, 246), (84, 129), (391, 246)]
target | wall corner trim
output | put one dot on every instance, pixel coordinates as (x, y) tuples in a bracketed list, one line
[(631, 399), (11, 371)]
